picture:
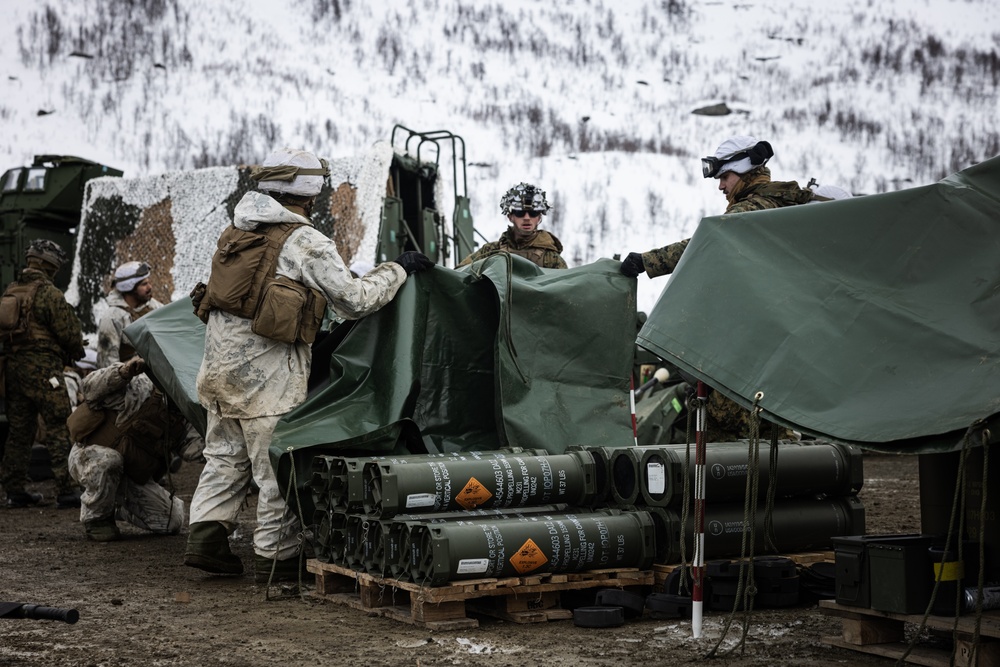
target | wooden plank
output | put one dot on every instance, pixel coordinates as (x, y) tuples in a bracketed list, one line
[(382, 596), (860, 632), (987, 655), (920, 655), (437, 611), (403, 614), (990, 626)]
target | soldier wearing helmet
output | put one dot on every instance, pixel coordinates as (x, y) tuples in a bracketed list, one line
[(739, 164), (39, 341), (524, 205), (130, 298), (272, 279)]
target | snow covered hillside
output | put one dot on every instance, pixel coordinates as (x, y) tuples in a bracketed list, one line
[(590, 99)]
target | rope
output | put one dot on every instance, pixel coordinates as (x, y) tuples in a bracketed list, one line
[(746, 588), (686, 503), (974, 658), (958, 511), (772, 489), (292, 485)]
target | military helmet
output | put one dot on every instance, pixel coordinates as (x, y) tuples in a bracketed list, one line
[(130, 274), (47, 251), (293, 171), (524, 197), (739, 154)]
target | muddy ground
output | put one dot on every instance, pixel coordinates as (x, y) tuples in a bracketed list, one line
[(131, 599)]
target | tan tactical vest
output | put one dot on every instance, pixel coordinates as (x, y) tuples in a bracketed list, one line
[(243, 283), (533, 253), (17, 326), (145, 440)]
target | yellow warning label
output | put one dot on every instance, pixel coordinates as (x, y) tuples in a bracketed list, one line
[(529, 557), (473, 494)]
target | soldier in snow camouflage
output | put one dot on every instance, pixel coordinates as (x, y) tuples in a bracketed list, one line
[(125, 433), (739, 164), (130, 298), (34, 380), (524, 205), (255, 370)]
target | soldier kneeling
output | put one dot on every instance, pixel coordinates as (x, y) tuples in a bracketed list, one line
[(125, 434)]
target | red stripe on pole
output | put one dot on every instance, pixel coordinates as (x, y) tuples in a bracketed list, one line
[(698, 569)]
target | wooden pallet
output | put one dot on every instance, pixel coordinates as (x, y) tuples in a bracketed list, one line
[(531, 599), (882, 633)]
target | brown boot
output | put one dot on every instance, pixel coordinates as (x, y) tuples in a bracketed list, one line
[(103, 529), (208, 549)]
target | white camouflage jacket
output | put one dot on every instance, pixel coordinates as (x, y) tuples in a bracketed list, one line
[(113, 322), (244, 375), (106, 389)]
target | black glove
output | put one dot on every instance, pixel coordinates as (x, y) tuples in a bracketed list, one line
[(413, 261), (632, 265)]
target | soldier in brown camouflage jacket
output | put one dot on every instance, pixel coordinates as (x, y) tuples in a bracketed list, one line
[(739, 164), (34, 380), (524, 205)]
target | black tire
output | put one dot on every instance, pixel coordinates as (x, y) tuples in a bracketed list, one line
[(773, 600), (631, 603), (724, 569), (665, 605), (782, 585), (774, 567), (598, 617), (723, 603)]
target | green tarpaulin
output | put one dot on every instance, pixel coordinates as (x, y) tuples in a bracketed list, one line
[(499, 354), (872, 321), (171, 340)]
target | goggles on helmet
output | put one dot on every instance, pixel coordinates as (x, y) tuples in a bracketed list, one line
[(759, 154)]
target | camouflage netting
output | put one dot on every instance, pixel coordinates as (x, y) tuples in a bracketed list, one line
[(172, 221)]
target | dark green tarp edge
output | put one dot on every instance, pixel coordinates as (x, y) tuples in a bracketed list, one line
[(171, 340), (873, 321)]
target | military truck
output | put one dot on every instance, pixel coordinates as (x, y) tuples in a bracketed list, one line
[(410, 216), (42, 201)]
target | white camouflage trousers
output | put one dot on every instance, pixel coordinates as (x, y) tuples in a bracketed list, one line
[(107, 491), (235, 450)]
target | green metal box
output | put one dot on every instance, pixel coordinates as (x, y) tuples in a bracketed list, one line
[(901, 574), (852, 560)]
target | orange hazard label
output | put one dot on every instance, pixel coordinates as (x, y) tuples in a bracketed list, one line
[(529, 557), (473, 494)]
